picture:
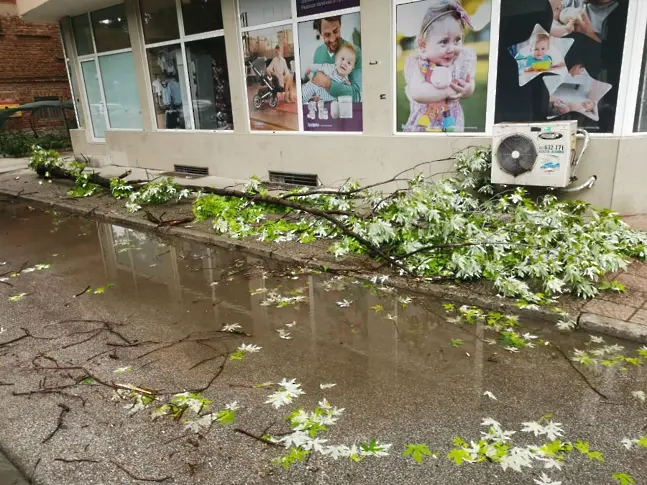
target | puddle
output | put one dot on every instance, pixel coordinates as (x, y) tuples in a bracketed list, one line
[(390, 354)]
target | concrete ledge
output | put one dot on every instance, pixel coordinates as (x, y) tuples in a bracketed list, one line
[(9, 474), (614, 327)]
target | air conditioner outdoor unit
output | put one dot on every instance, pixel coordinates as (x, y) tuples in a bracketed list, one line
[(540, 154)]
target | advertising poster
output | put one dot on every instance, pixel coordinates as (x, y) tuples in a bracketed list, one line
[(561, 60), (442, 49), (271, 78), (314, 7), (331, 73)]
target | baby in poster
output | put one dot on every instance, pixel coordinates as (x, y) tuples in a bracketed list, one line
[(442, 72)]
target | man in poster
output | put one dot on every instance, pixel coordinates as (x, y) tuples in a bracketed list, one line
[(330, 30)]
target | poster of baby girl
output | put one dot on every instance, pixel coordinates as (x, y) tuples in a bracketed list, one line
[(442, 64)]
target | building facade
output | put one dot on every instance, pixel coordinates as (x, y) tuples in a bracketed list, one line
[(335, 89), (32, 67)]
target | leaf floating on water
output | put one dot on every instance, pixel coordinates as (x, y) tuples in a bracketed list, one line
[(639, 395), (490, 395), (17, 297), (326, 386)]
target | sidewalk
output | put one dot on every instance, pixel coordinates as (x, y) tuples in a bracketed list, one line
[(9, 475), (623, 315)]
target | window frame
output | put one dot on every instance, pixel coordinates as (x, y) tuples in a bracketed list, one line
[(293, 22), (69, 74), (95, 56), (182, 40)]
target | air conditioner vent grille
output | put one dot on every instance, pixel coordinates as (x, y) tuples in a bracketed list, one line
[(288, 178), (190, 170)]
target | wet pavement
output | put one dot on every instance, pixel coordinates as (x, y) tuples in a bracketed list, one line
[(158, 312)]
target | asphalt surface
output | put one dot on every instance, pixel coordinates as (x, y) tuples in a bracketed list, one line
[(399, 381)]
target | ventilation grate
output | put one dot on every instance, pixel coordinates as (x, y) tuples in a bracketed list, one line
[(310, 180), (191, 170)]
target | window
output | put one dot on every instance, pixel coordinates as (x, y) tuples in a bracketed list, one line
[(303, 75), (549, 70), (640, 121), (110, 29), (108, 70), (187, 64), (442, 65)]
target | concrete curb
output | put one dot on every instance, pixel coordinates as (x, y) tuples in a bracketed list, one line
[(9, 474), (607, 326), (613, 327)]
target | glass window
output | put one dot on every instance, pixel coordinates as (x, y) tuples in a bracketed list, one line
[(168, 85), (82, 35), (201, 16), (110, 28), (438, 89), (209, 84), (159, 19), (93, 92), (640, 123), (548, 70), (257, 12), (120, 89), (271, 89)]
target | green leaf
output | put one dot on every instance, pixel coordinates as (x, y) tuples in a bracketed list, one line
[(88, 380), (613, 286), (377, 308), (623, 478), (417, 452), (459, 456), (642, 442), (238, 355), (227, 416), (457, 342)]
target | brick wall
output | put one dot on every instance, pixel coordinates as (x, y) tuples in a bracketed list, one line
[(32, 64)]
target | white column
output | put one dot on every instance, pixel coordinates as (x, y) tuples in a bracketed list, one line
[(377, 69), (139, 56), (235, 65)]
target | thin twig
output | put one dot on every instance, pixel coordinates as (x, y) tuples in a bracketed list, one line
[(136, 477), (84, 340), (64, 410), (88, 288), (257, 438), (76, 460)]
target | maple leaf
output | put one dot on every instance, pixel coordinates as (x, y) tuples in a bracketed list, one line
[(545, 480), (623, 479), (460, 456), (231, 327), (417, 452)]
